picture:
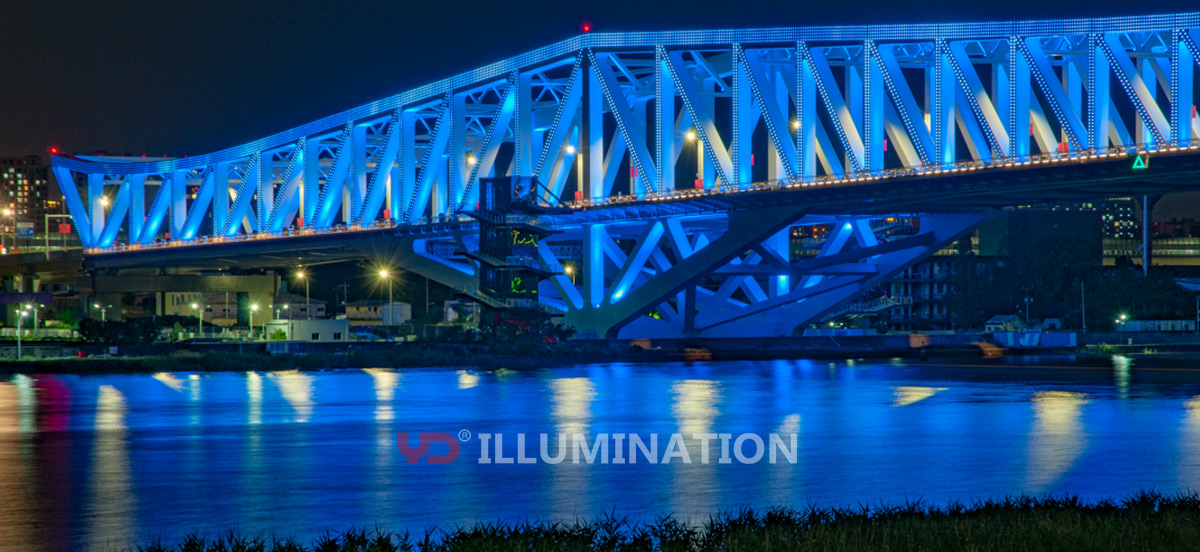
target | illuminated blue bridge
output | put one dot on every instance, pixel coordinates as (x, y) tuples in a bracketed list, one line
[(683, 159)]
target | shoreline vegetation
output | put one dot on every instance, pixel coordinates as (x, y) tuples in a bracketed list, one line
[(1144, 522)]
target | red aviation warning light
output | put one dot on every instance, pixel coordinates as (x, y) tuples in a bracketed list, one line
[(585, 26)]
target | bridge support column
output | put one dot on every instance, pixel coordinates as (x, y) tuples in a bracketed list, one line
[(1148, 202)]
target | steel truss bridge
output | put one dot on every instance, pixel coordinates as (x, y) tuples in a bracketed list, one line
[(685, 157)]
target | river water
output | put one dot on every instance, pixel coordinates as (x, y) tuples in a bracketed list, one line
[(110, 461)]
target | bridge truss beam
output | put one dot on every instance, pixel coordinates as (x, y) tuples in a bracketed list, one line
[(602, 118)]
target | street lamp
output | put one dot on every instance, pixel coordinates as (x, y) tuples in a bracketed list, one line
[(691, 136), (34, 310), (383, 273), (20, 317), (570, 270), (253, 308), (578, 169), (199, 315), (307, 304), (103, 311)]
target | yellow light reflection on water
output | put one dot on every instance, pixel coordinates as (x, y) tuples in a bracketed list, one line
[(168, 379), (909, 394), (694, 405), (254, 397), (10, 410), (111, 502), (467, 380), (17, 513), (385, 391), (1056, 439), (297, 389), (572, 404), (1121, 367)]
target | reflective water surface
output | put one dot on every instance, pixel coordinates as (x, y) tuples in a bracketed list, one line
[(110, 461)]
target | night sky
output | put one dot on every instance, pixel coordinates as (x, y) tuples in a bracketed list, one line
[(182, 77)]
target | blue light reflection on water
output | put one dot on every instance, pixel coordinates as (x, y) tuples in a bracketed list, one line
[(117, 460)]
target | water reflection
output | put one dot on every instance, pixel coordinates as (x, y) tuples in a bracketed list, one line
[(909, 394), (385, 392), (783, 474), (126, 458), (572, 400), (16, 508), (297, 390), (111, 506), (254, 397), (168, 379), (1056, 440), (467, 380), (1189, 469), (1121, 366), (694, 405)]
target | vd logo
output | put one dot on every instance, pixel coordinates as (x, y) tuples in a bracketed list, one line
[(425, 448)]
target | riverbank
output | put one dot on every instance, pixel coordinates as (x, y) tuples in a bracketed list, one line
[(254, 357), (1147, 522)]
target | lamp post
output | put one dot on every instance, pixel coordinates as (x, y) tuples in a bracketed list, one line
[(690, 137), (253, 308), (199, 315), (20, 317), (31, 308), (570, 270), (578, 169), (387, 276), (307, 304), (103, 312)]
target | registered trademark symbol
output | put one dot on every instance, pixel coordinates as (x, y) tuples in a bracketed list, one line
[(464, 436)]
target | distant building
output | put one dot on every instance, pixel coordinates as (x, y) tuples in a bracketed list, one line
[(1157, 326), (295, 307), (25, 190), (375, 313), (310, 330), (1177, 228), (180, 304), (1118, 220), (221, 309), (1004, 323)]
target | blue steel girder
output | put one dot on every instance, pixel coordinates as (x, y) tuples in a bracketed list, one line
[(670, 265), (834, 103)]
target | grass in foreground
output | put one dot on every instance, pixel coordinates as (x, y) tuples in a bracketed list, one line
[(1148, 521)]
